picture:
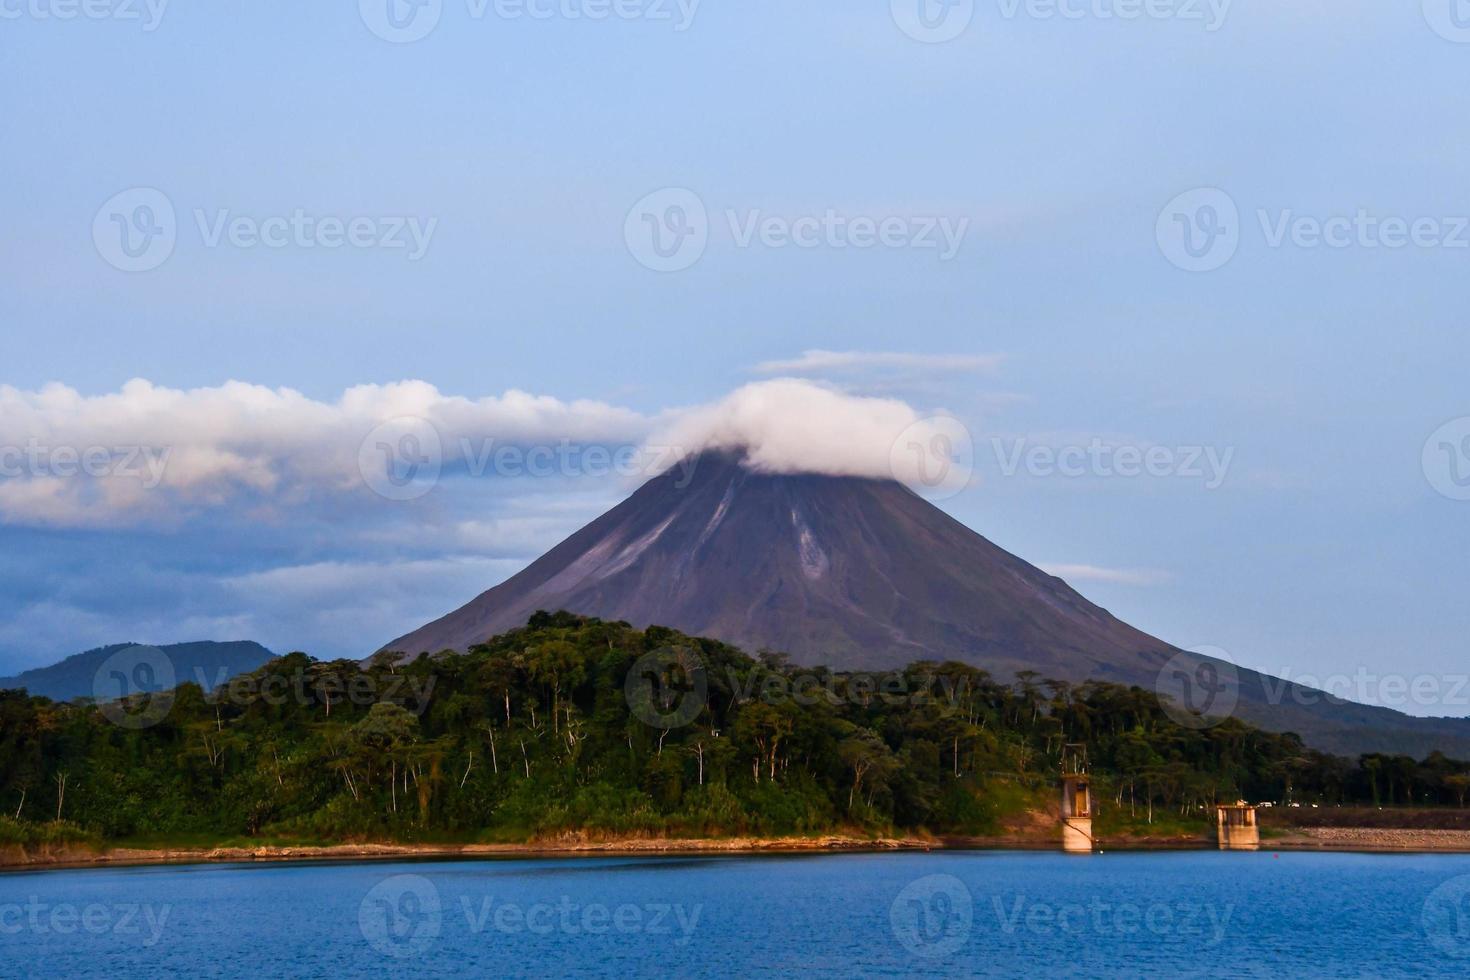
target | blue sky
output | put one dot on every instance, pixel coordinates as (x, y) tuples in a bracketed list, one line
[(518, 146)]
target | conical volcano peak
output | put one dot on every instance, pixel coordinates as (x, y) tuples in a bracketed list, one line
[(845, 570), (736, 466)]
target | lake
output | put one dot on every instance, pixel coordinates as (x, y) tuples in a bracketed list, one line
[(979, 913)]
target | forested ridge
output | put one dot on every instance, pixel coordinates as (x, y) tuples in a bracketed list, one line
[(579, 725)]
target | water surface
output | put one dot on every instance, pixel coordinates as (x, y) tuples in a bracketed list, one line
[(894, 914)]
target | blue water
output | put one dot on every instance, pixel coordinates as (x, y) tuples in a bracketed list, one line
[(909, 914)]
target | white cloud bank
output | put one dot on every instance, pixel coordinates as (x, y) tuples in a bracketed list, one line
[(148, 454), (69, 459)]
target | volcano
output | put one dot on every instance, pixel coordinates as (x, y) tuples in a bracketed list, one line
[(864, 574), (853, 573)]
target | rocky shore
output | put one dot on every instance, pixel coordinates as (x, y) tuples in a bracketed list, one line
[(1370, 839)]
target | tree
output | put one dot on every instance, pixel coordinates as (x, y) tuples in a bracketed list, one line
[(1372, 765), (867, 756), (1459, 784), (763, 726), (554, 663), (385, 735)]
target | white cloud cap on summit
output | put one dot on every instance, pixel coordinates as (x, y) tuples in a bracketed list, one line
[(788, 425)]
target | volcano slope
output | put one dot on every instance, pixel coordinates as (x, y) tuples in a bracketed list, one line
[(864, 574)]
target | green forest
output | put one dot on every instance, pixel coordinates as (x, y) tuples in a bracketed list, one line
[(573, 725)]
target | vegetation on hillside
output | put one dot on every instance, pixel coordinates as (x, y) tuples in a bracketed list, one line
[(578, 725)]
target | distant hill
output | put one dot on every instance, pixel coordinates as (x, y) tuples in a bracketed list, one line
[(206, 663), (863, 574)]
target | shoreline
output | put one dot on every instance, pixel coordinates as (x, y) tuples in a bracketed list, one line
[(1305, 839), (1373, 840), (12, 859)]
